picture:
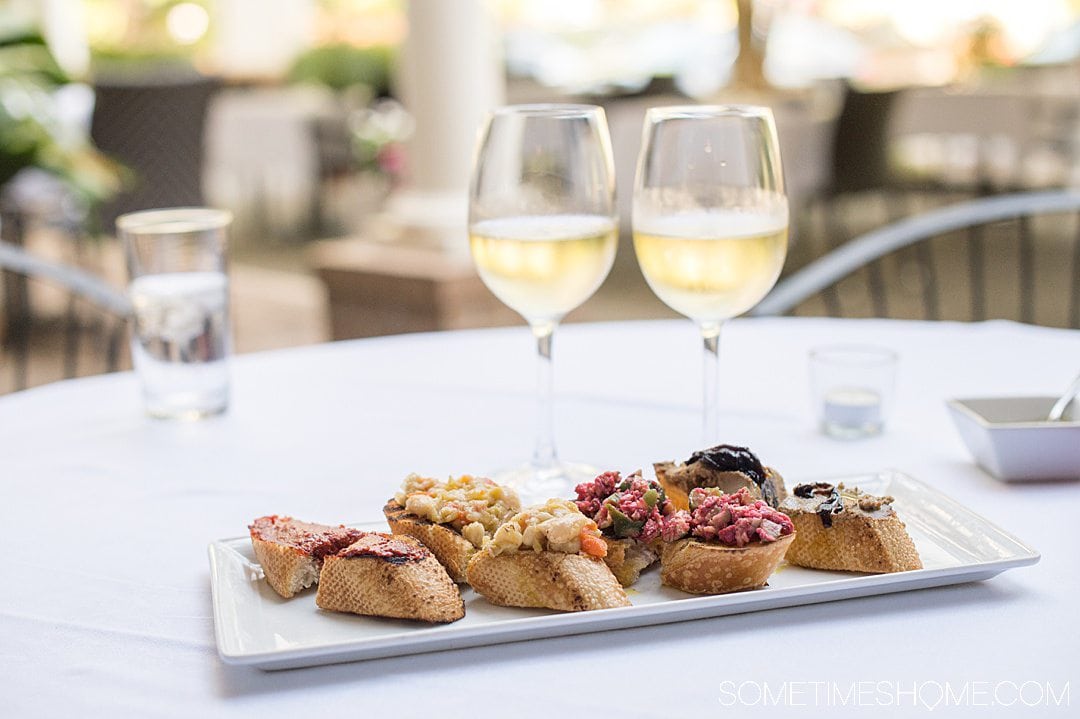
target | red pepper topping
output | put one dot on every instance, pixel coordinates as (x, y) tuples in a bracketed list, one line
[(318, 540), (384, 546)]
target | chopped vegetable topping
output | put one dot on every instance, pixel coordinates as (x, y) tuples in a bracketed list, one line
[(631, 507)]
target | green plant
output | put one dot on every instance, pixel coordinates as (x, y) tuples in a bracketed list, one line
[(378, 134), (31, 132), (341, 66)]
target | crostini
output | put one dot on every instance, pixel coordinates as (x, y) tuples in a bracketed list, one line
[(389, 576), (725, 467), (453, 518), (723, 543), (629, 511), (548, 556), (291, 552), (848, 530)]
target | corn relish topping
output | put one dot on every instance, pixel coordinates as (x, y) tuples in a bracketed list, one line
[(556, 526), (474, 506)]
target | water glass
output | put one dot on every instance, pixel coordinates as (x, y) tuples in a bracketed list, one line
[(179, 291), (852, 388)]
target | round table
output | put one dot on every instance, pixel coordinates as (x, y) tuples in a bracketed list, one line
[(106, 516)]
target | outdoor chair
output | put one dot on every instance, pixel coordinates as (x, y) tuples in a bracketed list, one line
[(95, 336), (859, 175), (155, 125), (1011, 256)]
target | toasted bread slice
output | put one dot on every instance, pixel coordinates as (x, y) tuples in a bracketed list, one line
[(389, 576), (867, 538), (547, 579), (287, 570), (711, 568), (291, 552), (451, 549), (628, 558)]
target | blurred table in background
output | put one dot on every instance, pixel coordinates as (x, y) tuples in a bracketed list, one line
[(380, 288), (987, 139)]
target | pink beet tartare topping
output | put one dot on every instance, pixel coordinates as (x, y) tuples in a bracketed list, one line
[(731, 519), (625, 507)]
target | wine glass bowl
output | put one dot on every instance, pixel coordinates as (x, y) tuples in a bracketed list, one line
[(708, 266), (543, 236), (543, 266), (710, 218)]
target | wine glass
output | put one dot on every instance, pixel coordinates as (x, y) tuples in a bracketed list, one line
[(543, 234), (710, 219)]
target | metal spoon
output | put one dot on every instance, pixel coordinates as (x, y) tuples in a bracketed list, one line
[(1059, 407)]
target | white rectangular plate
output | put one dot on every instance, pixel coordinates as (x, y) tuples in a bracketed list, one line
[(256, 627)]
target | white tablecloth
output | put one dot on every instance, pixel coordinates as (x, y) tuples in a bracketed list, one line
[(105, 517)]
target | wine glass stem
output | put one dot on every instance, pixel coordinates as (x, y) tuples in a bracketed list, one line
[(710, 334), (544, 451)]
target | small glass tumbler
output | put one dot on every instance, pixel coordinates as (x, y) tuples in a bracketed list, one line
[(179, 292), (852, 388)]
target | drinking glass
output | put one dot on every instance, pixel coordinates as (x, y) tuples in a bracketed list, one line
[(180, 297), (543, 234), (852, 387), (710, 219)]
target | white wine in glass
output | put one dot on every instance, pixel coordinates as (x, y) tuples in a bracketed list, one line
[(710, 219), (543, 266), (543, 235)]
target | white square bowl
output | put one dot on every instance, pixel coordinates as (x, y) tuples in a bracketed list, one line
[(1011, 439)]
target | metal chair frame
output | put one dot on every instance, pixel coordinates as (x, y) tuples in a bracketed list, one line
[(822, 275), (80, 284)]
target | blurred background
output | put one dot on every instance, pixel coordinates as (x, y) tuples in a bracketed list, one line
[(340, 132)]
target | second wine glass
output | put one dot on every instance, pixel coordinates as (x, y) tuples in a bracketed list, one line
[(710, 219), (543, 235)]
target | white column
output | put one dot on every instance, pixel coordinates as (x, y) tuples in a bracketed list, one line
[(64, 26), (449, 75), (260, 38)]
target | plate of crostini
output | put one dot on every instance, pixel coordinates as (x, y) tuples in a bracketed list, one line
[(460, 563)]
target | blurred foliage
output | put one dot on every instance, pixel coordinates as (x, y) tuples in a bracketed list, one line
[(128, 34), (31, 132), (135, 64), (341, 66), (377, 138)]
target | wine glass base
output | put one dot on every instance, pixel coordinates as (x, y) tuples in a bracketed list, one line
[(536, 484)]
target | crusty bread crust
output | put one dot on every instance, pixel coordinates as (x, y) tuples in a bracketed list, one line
[(288, 570), (550, 580), (707, 568), (854, 543), (417, 589), (627, 558), (451, 549)]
